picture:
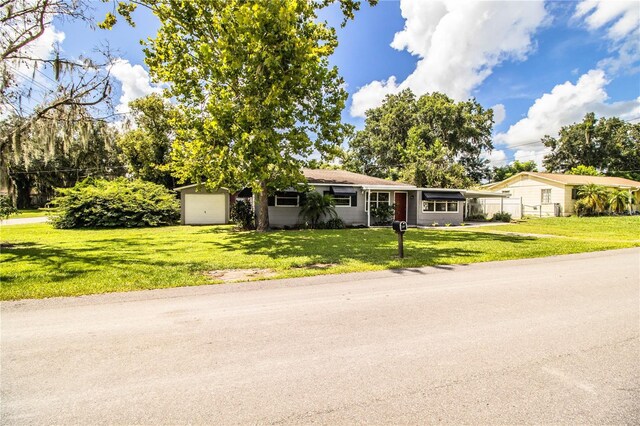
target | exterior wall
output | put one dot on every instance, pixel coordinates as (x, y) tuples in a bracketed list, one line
[(290, 216), (193, 190), (568, 202), (426, 219), (530, 190)]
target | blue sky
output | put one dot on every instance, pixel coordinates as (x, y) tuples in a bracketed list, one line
[(540, 64)]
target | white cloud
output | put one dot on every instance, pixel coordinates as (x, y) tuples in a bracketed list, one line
[(371, 95), (567, 103), (41, 48), (458, 43), (499, 113), (135, 83), (621, 20), (497, 157)]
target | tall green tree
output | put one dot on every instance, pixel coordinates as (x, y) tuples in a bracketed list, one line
[(255, 89), (505, 172), (400, 133), (610, 145), (146, 146), (45, 154)]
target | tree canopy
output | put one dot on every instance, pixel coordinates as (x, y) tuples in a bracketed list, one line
[(55, 153), (428, 141), (610, 145), (254, 87), (505, 172), (146, 144), (583, 170)]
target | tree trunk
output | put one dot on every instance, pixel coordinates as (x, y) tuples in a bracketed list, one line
[(263, 209), (23, 193)]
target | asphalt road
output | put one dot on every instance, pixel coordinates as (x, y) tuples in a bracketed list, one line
[(552, 340)]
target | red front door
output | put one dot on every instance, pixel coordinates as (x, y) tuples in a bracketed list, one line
[(401, 205)]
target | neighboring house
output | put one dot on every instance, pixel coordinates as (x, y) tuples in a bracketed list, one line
[(552, 194), (354, 195)]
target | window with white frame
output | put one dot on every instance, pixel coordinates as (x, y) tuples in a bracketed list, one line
[(342, 200), (287, 200), (439, 207), (377, 198), (545, 196)]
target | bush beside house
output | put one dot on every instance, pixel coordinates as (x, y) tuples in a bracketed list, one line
[(120, 203)]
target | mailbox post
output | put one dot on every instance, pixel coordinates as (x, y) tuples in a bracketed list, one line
[(400, 227)]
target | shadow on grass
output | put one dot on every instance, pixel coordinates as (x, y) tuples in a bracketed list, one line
[(59, 264), (153, 254), (367, 246)]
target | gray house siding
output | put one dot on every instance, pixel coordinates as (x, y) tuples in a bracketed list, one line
[(289, 216), (427, 219)]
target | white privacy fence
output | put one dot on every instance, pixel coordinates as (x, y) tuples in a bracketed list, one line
[(513, 206)]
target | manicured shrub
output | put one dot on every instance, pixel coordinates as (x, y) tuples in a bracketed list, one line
[(383, 214), (6, 207), (502, 217), (242, 215), (480, 217), (335, 223), (120, 203)]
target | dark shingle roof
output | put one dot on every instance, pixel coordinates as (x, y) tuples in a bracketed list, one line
[(325, 176)]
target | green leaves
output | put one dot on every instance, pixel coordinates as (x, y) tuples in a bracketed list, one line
[(146, 148), (400, 138), (505, 172), (99, 203), (609, 145)]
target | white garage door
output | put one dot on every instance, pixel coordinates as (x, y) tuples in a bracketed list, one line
[(204, 209)]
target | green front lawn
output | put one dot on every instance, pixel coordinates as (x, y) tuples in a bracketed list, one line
[(45, 262), (611, 228), (30, 213)]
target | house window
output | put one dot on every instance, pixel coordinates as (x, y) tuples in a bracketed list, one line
[(342, 201), (378, 198), (439, 207), (546, 196), (574, 193), (287, 200)]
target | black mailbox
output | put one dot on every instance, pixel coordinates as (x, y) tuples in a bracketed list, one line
[(400, 226)]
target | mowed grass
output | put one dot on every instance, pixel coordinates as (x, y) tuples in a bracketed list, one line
[(611, 228), (46, 262), (26, 213)]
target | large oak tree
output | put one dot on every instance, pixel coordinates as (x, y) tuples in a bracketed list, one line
[(254, 88), (428, 141), (610, 145)]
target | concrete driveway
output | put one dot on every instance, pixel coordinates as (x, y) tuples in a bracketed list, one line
[(23, 220), (552, 340)]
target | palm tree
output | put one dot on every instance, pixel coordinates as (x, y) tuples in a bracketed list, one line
[(593, 197), (619, 200), (316, 206)]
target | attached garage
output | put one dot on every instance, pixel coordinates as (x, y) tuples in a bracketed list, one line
[(202, 207)]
